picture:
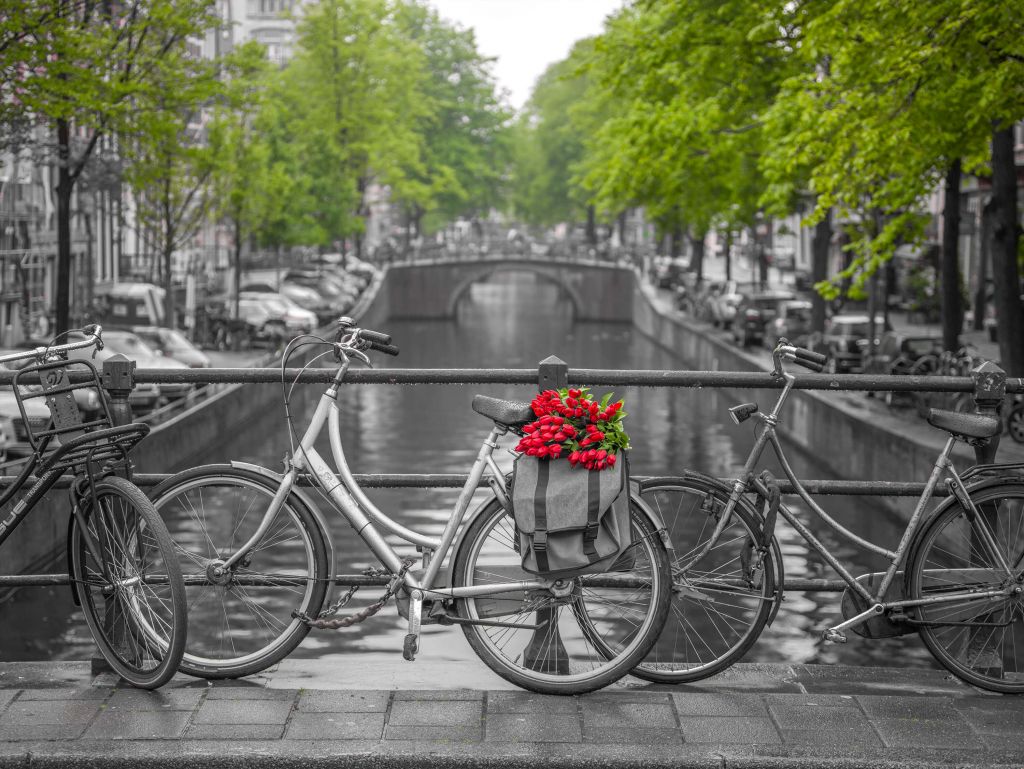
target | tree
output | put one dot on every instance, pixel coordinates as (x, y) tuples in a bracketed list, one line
[(89, 62)]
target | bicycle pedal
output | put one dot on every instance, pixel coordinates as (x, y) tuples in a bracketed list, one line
[(833, 636), (410, 647)]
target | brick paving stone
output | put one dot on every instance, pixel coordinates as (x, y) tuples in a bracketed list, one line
[(892, 706), (751, 677), (631, 735), (906, 732), (439, 694), (243, 712), (605, 713), (11, 732), (234, 732), (397, 732), (813, 700), (532, 728), (848, 738), (81, 693), (138, 725), (6, 695), (811, 717), (528, 702), (994, 721), (423, 713), (997, 702), (335, 726), (719, 704), (343, 702), (174, 699), (724, 730), (869, 680), (628, 695), (1006, 741), (50, 711), (249, 693)]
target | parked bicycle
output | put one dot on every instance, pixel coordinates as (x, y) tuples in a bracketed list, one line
[(259, 562), (124, 571), (956, 577), (945, 363)]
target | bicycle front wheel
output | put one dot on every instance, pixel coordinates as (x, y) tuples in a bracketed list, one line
[(578, 640), (240, 621), (721, 602), (128, 583), (977, 638)]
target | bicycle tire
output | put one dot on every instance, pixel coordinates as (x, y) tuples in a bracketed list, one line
[(237, 629), (947, 553), (926, 365), (1015, 423), (139, 625), (714, 619), (565, 661)]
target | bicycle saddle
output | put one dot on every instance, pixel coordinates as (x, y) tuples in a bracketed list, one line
[(508, 413), (964, 425)]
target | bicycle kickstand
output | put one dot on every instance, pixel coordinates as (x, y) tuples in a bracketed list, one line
[(412, 640)]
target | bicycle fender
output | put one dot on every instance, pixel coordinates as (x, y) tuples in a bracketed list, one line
[(304, 499), (726, 489)]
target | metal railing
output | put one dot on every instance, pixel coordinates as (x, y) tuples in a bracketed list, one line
[(988, 383)]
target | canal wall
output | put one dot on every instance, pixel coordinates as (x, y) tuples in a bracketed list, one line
[(836, 428)]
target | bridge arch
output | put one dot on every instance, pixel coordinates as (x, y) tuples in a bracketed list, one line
[(487, 270)]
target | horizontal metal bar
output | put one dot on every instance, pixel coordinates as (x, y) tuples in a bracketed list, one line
[(458, 480), (583, 376), (362, 580)]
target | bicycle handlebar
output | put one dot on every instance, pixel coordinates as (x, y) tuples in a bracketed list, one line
[(93, 333), (364, 338), (801, 356)]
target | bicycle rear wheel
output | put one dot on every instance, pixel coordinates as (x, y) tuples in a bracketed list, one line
[(717, 610), (129, 584), (978, 639), (240, 622), (583, 640)]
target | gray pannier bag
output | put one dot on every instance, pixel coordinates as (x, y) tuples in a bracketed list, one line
[(569, 520)]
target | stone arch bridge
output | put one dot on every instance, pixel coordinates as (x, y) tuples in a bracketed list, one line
[(598, 291)]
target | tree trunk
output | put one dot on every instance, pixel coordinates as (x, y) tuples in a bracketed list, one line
[(952, 306), (168, 287), (819, 270), (984, 257), (65, 184), (1005, 236), (728, 255), (236, 261), (697, 260), (677, 240), (591, 226)]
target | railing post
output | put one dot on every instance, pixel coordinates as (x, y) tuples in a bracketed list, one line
[(546, 653), (552, 373), (118, 381), (989, 393)]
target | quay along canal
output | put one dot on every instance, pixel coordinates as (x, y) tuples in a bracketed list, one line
[(511, 320)]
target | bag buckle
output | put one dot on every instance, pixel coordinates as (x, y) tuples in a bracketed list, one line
[(590, 531), (540, 541)]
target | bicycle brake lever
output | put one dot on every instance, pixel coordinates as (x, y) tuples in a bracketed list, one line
[(360, 355)]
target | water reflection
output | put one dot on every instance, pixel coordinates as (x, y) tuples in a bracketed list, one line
[(515, 320)]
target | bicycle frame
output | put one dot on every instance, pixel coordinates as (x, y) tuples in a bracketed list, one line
[(877, 605), (356, 508)]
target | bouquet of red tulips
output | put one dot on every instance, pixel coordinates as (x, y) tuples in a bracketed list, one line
[(571, 424)]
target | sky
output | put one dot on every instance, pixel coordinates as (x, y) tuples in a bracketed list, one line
[(526, 35)]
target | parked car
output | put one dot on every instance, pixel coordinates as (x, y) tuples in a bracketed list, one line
[(792, 321), (723, 304), (668, 273), (756, 309), (340, 297), (846, 340), (172, 344), (897, 352), (285, 317), (143, 396), (86, 398), (301, 296), (12, 424)]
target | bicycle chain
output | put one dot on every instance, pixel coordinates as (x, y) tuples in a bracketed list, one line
[(322, 623)]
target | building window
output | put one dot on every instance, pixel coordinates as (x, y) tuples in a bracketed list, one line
[(268, 8)]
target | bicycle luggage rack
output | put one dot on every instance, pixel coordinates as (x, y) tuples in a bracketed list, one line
[(80, 442)]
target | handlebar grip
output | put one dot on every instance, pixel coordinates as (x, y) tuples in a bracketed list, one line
[(811, 357), (388, 349), (377, 337), (811, 365)]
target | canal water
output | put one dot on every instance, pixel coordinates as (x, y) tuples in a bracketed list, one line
[(512, 320)]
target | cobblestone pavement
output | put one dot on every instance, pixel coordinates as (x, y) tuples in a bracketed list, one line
[(752, 715)]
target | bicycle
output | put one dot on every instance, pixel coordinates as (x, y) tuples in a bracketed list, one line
[(121, 560), (259, 561), (956, 576)]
